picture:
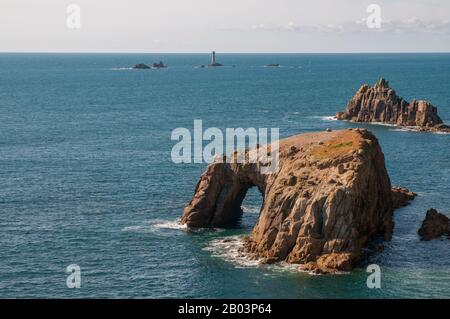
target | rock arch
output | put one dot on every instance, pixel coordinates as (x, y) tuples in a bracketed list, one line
[(329, 197)]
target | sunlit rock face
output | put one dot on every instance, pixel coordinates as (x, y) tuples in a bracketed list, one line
[(330, 195), (380, 103)]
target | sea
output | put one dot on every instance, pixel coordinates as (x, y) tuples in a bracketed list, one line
[(87, 177)]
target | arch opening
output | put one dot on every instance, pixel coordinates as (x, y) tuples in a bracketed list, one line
[(249, 209)]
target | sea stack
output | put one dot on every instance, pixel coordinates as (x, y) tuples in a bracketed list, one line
[(329, 197), (380, 104), (434, 225), (214, 63)]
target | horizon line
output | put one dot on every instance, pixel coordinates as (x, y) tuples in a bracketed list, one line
[(225, 52)]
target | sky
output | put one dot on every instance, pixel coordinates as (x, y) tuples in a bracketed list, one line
[(226, 26)]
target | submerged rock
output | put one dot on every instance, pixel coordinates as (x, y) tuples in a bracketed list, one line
[(381, 104), (330, 196), (434, 226)]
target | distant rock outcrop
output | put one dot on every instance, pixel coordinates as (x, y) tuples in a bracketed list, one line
[(141, 66), (434, 226), (159, 65), (330, 196), (380, 103)]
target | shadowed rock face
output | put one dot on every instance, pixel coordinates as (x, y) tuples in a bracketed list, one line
[(330, 195), (380, 103), (434, 226)]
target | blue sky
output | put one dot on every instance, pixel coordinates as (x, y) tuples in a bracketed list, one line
[(226, 26)]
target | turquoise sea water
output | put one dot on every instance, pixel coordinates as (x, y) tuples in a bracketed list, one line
[(86, 175)]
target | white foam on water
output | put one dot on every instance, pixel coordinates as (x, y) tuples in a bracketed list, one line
[(441, 133), (379, 123), (171, 225), (323, 118), (399, 130), (120, 69), (251, 209), (132, 228), (396, 128), (284, 267), (328, 118), (227, 248), (407, 129), (155, 226)]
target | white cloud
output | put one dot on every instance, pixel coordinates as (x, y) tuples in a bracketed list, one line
[(407, 26)]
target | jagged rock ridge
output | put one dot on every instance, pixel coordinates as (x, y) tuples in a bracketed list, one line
[(380, 103), (329, 197)]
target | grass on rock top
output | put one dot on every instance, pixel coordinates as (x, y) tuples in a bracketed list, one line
[(338, 146)]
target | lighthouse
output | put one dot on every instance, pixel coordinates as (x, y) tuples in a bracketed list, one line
[(213, 60)]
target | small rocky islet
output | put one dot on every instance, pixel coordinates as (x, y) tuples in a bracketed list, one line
[(143, 66), (381, 104)]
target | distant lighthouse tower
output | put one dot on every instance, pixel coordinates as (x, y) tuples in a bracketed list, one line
[(213, 60)]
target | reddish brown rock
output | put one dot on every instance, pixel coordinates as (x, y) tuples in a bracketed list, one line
[(434, 226), (329, 197), (381, 104), (402, 196)]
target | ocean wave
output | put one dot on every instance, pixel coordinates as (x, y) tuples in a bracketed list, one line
[(323, 118), (155, 226)]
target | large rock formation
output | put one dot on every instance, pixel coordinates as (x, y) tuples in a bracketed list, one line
[(434, 225), (380, 103), (330, 196)]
